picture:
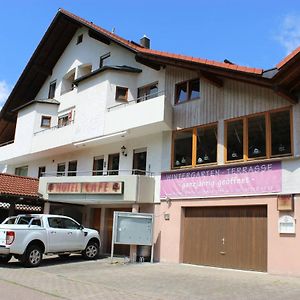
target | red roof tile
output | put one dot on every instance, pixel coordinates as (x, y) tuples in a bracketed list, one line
[(18, 185), (288, 58), (140, 49)]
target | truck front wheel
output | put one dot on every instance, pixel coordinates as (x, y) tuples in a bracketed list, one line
[(32, 257), (91, 251)]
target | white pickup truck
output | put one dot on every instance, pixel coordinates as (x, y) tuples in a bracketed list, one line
[(28, 237)]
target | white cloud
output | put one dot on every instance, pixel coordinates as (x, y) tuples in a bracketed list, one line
[(4, 92), (289, 33)]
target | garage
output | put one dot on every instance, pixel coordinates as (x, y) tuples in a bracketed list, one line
[(228, 237)]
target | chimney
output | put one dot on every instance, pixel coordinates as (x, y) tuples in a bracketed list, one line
[(145, 42)]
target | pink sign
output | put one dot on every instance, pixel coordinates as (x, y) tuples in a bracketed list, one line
[(237, 180)]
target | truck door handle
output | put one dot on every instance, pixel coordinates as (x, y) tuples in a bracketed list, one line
[(53, 232), (69, 232)]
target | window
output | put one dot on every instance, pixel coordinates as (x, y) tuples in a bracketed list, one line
[(147, 92), (21, 171), (98, 166), (46, 122), (79, 39), (235, 140), (207, 142), (195, 146), (188, 90), (121, 93), (84, 70), (183, 143), (70, 224), (65, 119), (264, 135), (42, 171), (72, 168), (139, 161), (61, 169), (104, 60), (257, 136), (280, 133), (52, 88), (56, 222), (113, 164), (68, 82), (62, 223)]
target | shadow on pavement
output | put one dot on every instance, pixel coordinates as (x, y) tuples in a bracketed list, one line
[(49, 261)]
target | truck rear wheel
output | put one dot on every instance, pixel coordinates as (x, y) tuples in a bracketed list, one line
[(32, 257)]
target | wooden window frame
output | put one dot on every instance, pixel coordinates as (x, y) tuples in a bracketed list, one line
[(51, 84), (290, 108), (268, 155), (194, 147), (118, 88), (46, 118), (188, 98)]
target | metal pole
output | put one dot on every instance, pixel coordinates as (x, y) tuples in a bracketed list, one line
[(113, 239)]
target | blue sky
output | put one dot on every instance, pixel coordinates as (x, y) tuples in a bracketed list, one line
[(251, 33)]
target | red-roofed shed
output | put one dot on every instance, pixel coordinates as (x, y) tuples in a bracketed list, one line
[(19, 194)]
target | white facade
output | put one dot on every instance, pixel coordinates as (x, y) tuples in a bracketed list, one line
[(97, 128)]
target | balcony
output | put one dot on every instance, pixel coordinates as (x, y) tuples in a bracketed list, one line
[(124, 187), (143, 115), (53, 137)]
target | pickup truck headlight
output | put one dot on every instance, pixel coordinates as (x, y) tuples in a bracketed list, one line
[(10, 237)]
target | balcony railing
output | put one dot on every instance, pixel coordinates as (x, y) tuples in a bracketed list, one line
[(55, 127), (98, 173), (135, 101)]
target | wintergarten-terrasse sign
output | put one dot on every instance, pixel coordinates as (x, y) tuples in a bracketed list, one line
[(235, 180)]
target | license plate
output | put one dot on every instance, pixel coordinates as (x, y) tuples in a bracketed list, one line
[(2, 238)]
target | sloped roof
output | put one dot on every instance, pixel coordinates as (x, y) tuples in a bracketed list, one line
[(288, 58), (41, 101), (61, 31), (18, 186), (140, 49)]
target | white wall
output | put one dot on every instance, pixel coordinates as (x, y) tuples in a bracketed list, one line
[(84, 157)]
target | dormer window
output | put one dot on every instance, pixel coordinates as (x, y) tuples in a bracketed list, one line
[(84, 70), (52, 88), (104, 60), (188, 90), (67, 82), (79, 39)]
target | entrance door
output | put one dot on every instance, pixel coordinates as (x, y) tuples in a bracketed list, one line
[(139, 162), (229, 237), (113, 164), (109, 217)]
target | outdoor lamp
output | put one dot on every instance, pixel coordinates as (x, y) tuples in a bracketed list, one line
[(124, 150)]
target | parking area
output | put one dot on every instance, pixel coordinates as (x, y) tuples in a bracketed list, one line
[(75, 278)]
